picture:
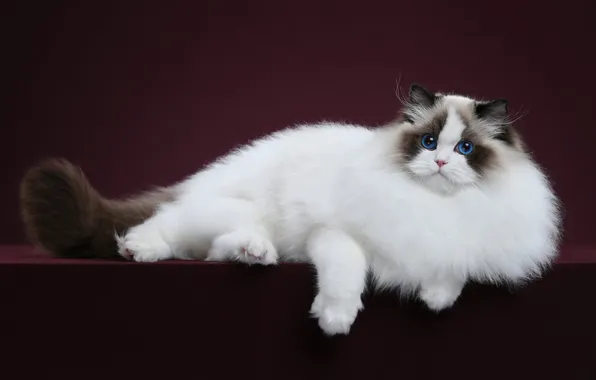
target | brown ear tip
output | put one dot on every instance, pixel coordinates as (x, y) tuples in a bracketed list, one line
[(417, 87)]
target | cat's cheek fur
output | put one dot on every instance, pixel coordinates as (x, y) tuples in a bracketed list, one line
[(456, 170), (422, 164), (459, 171), (453, 177)]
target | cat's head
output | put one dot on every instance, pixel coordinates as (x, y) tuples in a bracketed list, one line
[(450, 141)]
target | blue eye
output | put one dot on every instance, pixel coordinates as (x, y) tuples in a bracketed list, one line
[(429, 142), (465, 147)]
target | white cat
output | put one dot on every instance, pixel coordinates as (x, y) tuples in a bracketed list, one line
[(445, 195)]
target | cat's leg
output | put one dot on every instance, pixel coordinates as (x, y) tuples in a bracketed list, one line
[(341, 271), (441, 292), (207, 227), (250, 245), (237, 231)]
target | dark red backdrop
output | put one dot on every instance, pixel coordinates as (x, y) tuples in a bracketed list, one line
[(142, 94)]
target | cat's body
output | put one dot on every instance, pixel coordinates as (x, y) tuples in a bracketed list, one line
[(400, 202)]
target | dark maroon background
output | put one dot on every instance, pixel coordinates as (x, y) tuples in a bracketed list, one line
[(141, 94)]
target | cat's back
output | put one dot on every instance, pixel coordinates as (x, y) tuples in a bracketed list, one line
[(307, 142), (293, 152)]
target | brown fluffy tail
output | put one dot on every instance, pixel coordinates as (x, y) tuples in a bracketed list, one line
[(66, 216)]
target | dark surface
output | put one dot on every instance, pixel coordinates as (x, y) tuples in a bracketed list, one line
[(143, 93), (221, 321), (24, 254)]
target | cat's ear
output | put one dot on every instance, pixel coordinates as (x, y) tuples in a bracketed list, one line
[(420, 96), (494, 110)]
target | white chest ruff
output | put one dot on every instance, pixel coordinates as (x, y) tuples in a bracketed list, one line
[(503, 233)]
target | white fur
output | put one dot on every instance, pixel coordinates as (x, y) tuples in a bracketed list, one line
[(334, 195)]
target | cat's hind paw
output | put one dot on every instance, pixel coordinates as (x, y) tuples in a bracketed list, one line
[(245, 247), (141, 245)]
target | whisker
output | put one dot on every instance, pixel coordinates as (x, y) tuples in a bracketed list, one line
[(398, 92)]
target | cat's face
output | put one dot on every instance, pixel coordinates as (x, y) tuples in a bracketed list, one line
[(449, 142)]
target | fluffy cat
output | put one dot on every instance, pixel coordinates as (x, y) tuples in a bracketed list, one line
[(444, 195)]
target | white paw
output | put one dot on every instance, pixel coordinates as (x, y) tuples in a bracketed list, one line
[(439, 298), (142, 244), (249, 248), (335, 316)]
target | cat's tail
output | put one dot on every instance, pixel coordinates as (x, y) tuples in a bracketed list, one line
[(65, 215)]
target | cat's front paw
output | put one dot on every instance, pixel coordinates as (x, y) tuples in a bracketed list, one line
[(143, 245), (335, 316), (438, 298)]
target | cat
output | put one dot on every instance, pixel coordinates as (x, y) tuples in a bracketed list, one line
[(445, 194)]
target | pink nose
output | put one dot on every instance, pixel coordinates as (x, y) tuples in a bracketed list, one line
[(441, 163)]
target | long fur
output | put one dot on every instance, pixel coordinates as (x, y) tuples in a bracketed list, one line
[(351, 200), (65, 215)]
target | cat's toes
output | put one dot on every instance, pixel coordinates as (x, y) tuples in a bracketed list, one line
[(335, 316), (141, 247), (259, 250), (439, 298), (126, 253), (243, 246)]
